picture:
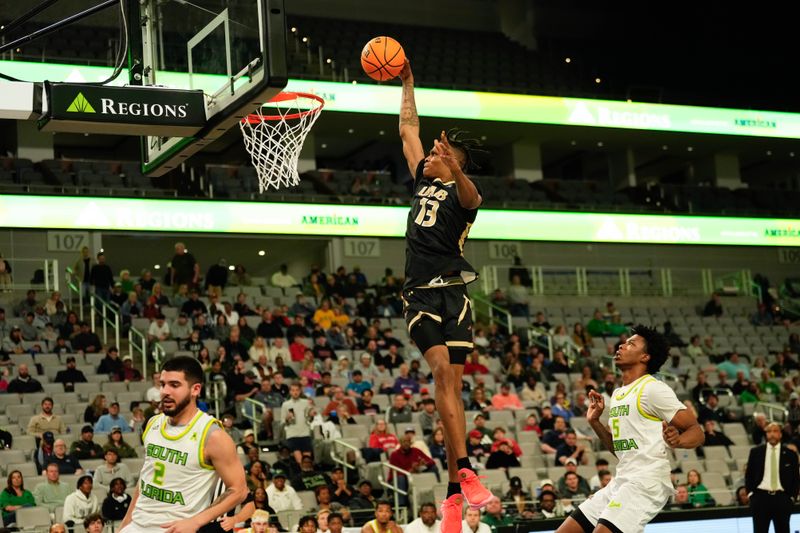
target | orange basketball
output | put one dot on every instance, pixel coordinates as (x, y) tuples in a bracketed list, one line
[(382, 58)]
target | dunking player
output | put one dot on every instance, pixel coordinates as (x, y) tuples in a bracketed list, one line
[(644, 420), (435, 300), (186, 453)]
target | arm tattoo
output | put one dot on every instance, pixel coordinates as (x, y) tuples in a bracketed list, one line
[(408, 108), (221, 497)]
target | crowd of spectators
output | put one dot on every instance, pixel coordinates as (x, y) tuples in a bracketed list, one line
[(323, 363)]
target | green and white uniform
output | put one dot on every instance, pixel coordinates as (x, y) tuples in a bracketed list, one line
[(641, 486), (175, 481)]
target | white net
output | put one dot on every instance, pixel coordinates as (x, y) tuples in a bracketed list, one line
[(274, 136)]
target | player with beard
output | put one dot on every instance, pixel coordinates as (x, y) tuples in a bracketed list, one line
[(186, 453)]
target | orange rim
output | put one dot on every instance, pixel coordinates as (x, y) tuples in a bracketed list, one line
[(285, 97)]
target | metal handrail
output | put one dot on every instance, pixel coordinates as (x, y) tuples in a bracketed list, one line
[(71, 287), (397, 491), (159, 354), (257, 413), (494, 311), (138, 341), (536, 334), (216, 393), (108, 317), (343, 461), (771, 410), (49, 269)]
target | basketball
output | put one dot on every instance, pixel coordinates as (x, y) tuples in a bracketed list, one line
[(382, 58)]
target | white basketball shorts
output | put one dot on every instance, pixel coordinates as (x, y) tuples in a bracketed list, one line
[(627, 504)]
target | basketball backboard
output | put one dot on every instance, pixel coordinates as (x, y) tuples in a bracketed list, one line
[(233, 50)]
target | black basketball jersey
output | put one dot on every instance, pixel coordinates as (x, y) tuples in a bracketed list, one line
[(436, 231)]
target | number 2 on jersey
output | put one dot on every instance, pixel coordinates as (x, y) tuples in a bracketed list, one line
[(615, 427), (427, 213), (158, 473)]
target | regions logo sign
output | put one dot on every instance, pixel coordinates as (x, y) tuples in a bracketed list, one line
[(109, 106), (612, 230), (80, 105), (83, 104), (606, 115)]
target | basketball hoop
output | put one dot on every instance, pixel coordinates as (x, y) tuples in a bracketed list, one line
[(274, 136)]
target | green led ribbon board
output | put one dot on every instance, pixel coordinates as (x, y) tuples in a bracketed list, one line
[(204, 216)]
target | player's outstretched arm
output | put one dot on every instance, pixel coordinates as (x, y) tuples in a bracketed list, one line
[(409, 122), (221, 453), (596, 406), (468, 195), (683, 431)]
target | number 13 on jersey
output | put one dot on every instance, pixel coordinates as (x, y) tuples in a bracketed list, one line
[(427, 212)]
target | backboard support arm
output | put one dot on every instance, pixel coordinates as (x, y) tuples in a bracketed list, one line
[(58, 25)]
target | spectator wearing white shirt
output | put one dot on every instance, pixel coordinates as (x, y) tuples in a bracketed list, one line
[(230, 315), (80, 503), (258, 350), (278, 349), (153, 394), (427, 522), (283, 279), (158, 330), (282, 497), (472, 522)]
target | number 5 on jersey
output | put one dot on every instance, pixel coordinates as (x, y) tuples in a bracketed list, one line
[(615, 427), (427, 213)]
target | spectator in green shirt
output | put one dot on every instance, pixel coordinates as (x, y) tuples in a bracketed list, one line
[(750, 394), (53, 492), (14, 496), (766, 386), (600, 327), (698, 493), (494, 516)]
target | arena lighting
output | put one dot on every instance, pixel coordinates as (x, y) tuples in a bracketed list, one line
[(567, 60), (527, 109), (264, 218), (262, 253)]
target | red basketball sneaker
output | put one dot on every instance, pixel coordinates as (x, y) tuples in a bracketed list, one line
[(474, 492), (452, 509)]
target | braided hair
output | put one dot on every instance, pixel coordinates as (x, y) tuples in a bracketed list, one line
[(469, 146)]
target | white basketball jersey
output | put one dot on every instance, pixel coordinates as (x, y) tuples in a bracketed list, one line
[(175, 482), (634, 420)]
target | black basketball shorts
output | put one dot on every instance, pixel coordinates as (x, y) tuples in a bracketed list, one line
[(440, 316)]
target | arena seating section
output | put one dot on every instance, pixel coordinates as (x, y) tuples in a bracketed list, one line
[(722, 468), (124, 178)]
